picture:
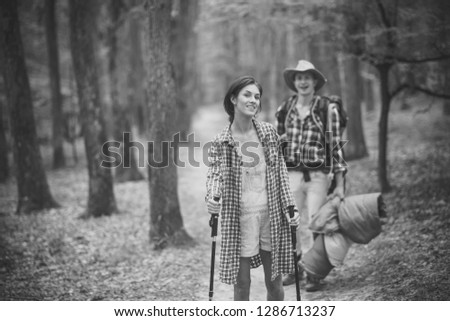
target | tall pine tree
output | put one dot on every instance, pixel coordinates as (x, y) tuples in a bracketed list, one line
[(33, 190), (101, 200)]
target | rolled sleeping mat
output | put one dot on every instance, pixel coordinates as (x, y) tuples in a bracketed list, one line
[(315, 261), (359, 216), (326, 219), (336, 246)]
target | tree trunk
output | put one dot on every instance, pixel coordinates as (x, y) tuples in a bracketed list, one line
[(71, 117), (191, 80), (101, 199), (356, 146), (369, 87), (33, 190), (184, 62), (444, 19), (136, 76), (55, 87), (4, 167), (383, 127), (446, 84), (280, 59), (120, 115), (446, 71), (368, 95), (323, 56), (166, 223)]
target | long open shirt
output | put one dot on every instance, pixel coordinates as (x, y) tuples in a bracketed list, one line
[(224, 179)]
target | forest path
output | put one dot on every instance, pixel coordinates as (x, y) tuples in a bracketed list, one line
[(207, 122), (54, 255), (391, 266)]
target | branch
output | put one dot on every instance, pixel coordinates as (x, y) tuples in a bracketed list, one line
[(369, 57), (431, 93), (374, 59), (399, 89), (427, 109), (383, 14), (421, 89), (418, 61)]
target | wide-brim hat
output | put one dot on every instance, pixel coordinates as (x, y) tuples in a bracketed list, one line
[(303, 66)]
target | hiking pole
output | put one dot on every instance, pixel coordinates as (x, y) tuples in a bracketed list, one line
[(294, 252), (213, 222)]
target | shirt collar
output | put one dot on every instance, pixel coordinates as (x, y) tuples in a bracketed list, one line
[(226, 137)]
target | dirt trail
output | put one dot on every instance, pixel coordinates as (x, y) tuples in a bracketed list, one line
[(209, 121), (54, 255)]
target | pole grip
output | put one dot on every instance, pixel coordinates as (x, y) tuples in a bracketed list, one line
[(293, 228), (213, 221), (291, 211)]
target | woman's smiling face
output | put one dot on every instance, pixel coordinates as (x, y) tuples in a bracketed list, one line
[(247, 101)]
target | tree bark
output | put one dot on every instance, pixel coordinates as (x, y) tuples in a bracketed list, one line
[(121, 116), (33, 190), (356, 146), (4, 166), (444, 20), (101, 200), (368, 95), (136, 76), (55, 87), (383, 127), (446, 103), (323, 56), (183, 58), (166, 223)]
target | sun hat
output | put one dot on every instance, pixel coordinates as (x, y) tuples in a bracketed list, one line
[(303, 66)]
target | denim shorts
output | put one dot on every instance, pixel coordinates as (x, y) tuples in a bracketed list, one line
[(255, 232)]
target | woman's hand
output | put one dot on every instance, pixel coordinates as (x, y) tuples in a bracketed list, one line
[(294, 221), (213, 206)]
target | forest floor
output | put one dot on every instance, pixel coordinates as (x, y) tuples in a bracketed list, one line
[(55, 255)]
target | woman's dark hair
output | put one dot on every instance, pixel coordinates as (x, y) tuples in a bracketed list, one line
[(234, 90)]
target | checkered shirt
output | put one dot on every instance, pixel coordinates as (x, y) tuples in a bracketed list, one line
[(224, 178), (305, 139)]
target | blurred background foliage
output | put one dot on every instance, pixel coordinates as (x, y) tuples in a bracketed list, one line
[(372, 52)]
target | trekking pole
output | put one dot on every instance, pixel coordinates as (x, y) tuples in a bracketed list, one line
[(294, 252), (213, 222)]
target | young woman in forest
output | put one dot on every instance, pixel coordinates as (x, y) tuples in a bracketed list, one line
[(302, 124), (247, 171)]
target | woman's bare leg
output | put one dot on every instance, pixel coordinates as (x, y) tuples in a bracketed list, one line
[(275, 291), (242, 288)]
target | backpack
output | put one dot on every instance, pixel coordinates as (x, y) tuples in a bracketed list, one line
[(324, 103), (337, 103)]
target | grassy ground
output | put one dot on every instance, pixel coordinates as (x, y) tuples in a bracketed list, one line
[(54, 255)]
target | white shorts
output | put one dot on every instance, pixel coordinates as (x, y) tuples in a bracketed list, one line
[(255, 232)]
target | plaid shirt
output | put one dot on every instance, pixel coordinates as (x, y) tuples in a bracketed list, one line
[(306, 140), (224, 178)]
